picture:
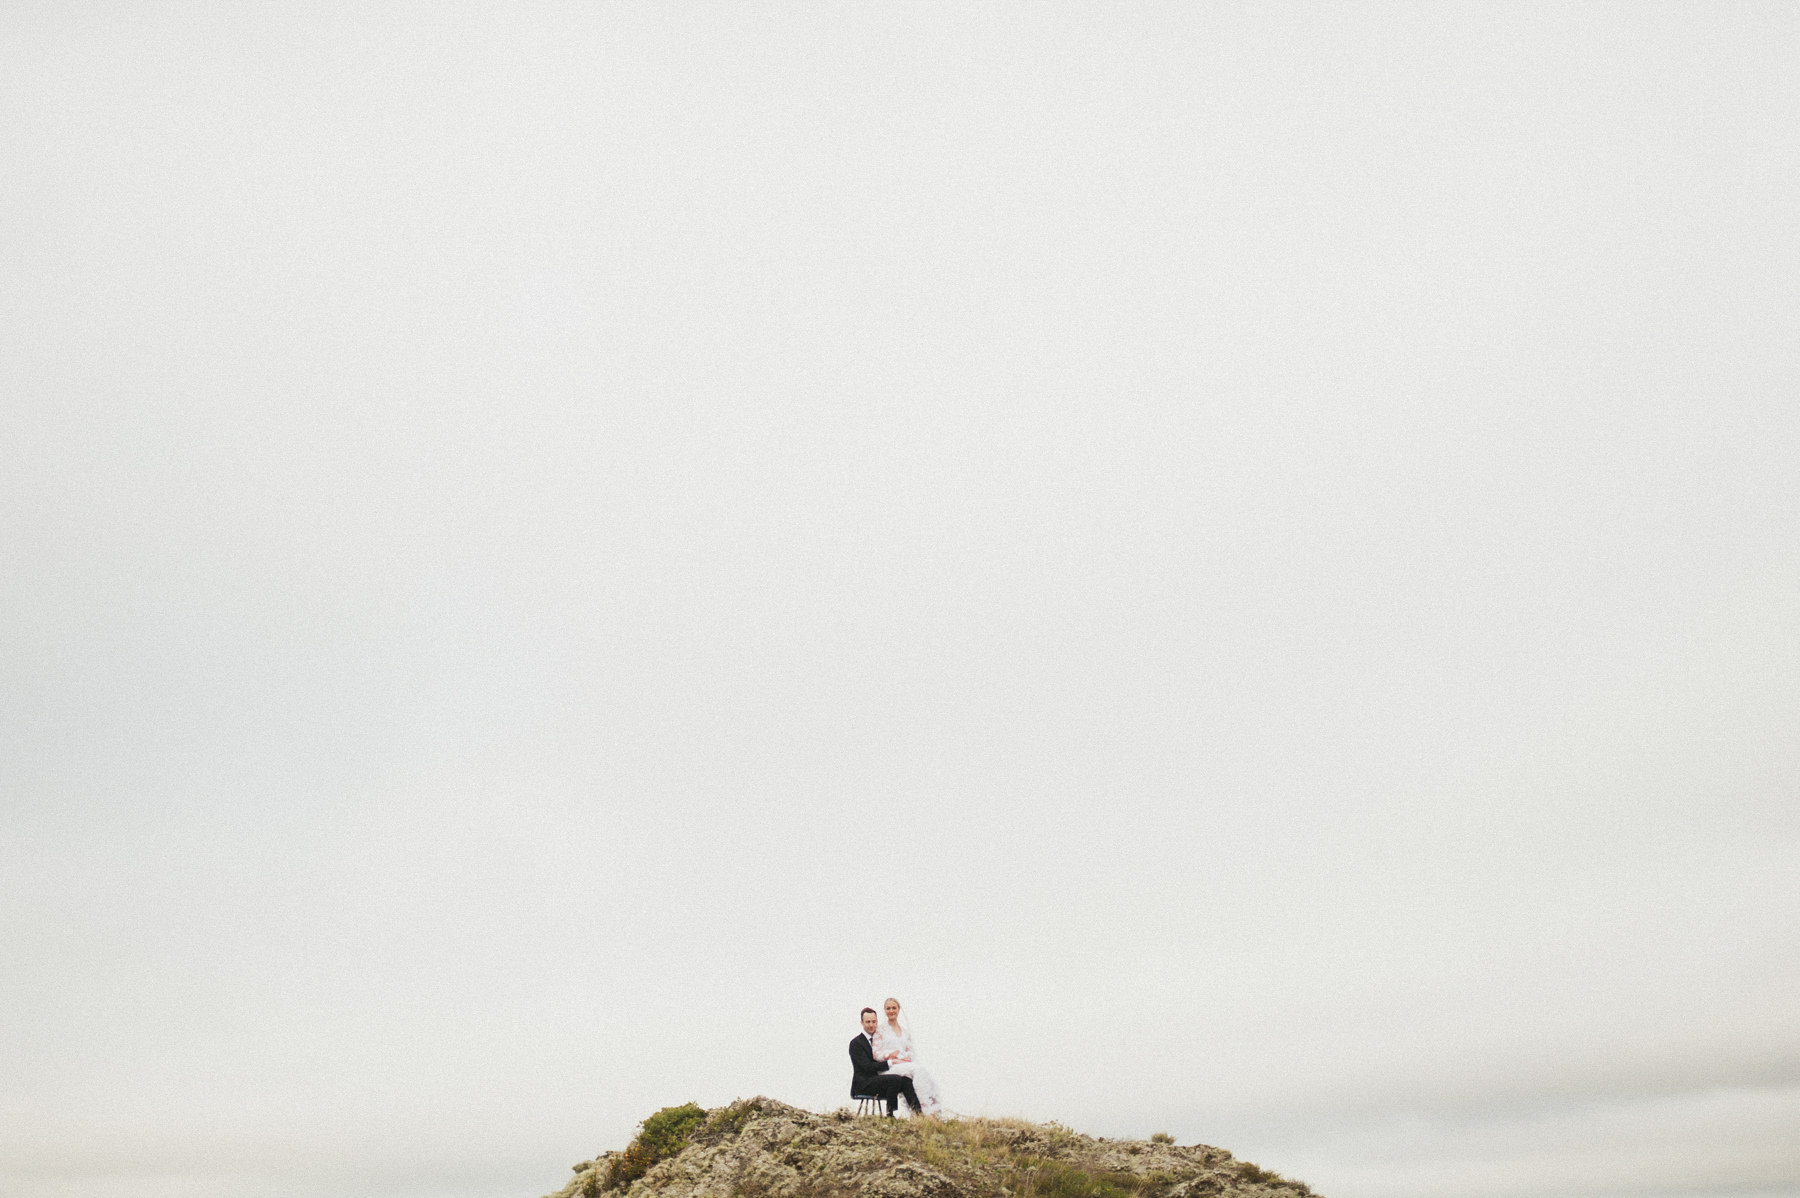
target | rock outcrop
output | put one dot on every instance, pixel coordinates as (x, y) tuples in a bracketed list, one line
[(760, 1148)]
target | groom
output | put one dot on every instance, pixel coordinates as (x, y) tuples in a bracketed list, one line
[(869, 1080)]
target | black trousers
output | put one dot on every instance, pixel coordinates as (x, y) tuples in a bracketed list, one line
[(892, 1087)]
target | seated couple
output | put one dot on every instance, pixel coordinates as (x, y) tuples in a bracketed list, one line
[(883, 1065)]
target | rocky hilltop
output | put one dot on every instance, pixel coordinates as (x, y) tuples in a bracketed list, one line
[(760, 1148)]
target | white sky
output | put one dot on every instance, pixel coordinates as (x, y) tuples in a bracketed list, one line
[(1243, 561)]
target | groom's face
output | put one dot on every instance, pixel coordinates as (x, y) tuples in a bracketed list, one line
[(868, 1023)]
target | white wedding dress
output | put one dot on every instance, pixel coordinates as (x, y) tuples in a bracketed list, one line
[(924, 1085)]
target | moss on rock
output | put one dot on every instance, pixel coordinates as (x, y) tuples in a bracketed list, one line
[(760, 1148)]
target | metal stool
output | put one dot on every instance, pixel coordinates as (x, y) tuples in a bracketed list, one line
[(870, 1104)]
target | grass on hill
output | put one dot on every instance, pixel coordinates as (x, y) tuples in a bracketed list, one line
[(979, 1155)]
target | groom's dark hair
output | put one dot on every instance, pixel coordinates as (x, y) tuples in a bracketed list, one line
[(867, 1011)]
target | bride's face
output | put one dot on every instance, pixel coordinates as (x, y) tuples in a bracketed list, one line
[(892, 1008)]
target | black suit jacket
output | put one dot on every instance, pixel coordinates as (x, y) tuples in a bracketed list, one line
[(862, 1061)]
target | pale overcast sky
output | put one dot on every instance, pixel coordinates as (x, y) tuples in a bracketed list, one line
[(1243, 560)]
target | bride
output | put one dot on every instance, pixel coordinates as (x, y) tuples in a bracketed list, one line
[(894, 1044)]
